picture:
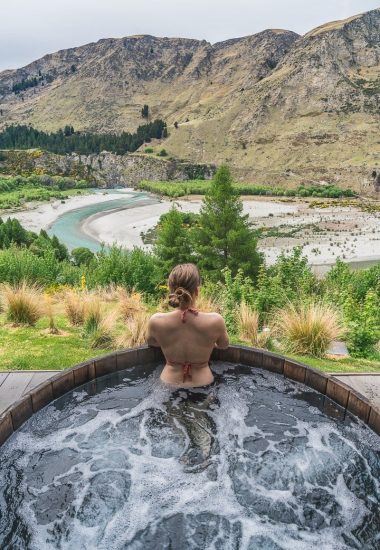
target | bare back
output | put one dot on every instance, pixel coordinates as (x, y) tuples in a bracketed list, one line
[(187, 343)]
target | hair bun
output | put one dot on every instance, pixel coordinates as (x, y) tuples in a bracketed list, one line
[(180, 298)]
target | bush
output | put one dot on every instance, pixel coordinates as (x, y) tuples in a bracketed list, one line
[(148, 150), (363, 323), (82, 256), (307, 329), (163, 153), (22, 303)]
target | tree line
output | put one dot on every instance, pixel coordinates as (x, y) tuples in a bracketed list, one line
[(67, 140)]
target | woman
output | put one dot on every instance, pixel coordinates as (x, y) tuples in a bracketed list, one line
[(186, 335)]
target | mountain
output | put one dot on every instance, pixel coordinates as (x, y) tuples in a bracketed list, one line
[(278, 106)]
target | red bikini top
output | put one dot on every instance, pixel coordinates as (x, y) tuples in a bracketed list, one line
[(187, 374)]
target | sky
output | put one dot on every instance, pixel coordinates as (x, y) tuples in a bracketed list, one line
[(30, 29)]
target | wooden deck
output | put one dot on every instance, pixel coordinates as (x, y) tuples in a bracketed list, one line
[(15, 384)]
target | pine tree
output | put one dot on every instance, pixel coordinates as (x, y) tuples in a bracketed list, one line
[(224, 237), (173, 245)]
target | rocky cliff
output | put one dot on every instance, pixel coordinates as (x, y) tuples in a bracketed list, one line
[(105, 169), (278, 106)]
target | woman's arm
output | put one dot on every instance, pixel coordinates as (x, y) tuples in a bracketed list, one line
[(150, 336), (222, 341)]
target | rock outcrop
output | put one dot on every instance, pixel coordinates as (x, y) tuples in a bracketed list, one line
[(105, 169)]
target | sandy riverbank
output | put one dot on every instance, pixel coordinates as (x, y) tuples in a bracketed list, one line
[(324, 233), (42, 215)]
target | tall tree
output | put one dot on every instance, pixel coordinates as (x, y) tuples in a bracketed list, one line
[(224, 237), (173, 245)]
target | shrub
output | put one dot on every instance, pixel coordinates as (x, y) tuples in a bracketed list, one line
[(163, 153), (75, 307), (363, 323), (92, 315), (307, 328), (22, 303), (148, 150)]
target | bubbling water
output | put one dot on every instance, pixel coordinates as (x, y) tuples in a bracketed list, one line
[(253, 462)]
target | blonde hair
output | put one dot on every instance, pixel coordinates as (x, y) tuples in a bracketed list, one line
[(183, 281)]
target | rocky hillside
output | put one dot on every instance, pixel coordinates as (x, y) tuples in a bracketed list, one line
[(278, 106)]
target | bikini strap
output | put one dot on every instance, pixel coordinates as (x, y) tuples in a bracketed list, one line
[(191, 310)]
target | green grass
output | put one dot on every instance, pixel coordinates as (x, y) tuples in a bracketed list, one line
[(176, 189), (28, 348), (349, 365)]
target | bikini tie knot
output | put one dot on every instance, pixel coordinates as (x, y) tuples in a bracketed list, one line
[(184, 312)]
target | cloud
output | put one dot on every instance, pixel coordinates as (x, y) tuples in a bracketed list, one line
[(30, 29)]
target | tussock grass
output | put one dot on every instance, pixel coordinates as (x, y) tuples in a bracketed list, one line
[(130, 304), (52, 329), (307, 328), (92, 315), (75, 307), (207, 305), (22, 303), (102, 335), (248, 327), (136, 331)]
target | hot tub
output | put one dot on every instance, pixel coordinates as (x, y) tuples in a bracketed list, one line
[(273, 455)]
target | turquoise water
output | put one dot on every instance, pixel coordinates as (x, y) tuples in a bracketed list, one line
[(68, 226)]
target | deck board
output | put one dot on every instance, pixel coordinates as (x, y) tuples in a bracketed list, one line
[(3, 376), (16, 384), (366, 384)]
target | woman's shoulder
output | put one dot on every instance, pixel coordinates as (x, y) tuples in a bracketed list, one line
[(159, 316), (213, 316)]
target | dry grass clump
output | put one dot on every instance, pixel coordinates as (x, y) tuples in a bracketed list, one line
[(53, 329), (22, 303), (97, 326), (75, 307), (92, 314), (207, 305), (248, 327), (308, 328), (101, 335), (130, 304), (136, 331), (111, 293)]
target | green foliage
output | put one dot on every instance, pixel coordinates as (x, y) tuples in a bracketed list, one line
[(231, 292), (163, 153), (133, 269), (145, 111), (173, 242), (68, 141), (82, 255), (201, 187), (224, 237), (15, 191), (362, 322), (25, 84), (148, 150)]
